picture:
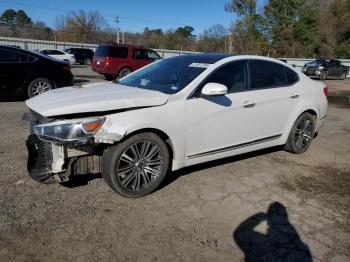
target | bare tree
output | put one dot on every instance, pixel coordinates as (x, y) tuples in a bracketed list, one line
[(84, 27)]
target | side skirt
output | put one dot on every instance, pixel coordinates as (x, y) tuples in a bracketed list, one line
[(225, 149)]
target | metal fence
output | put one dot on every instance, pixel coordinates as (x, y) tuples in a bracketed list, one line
[(33, 44)]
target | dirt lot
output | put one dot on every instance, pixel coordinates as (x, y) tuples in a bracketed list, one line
[(269, 204)]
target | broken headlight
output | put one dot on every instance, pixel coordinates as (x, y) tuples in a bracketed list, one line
[(75, 130)]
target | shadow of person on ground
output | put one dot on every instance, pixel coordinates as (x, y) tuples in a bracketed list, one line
[(281, 242)]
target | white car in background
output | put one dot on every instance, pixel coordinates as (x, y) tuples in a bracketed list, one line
[(58, 54), (174, 113)]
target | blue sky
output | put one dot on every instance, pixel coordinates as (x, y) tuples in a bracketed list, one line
[(134, 15)]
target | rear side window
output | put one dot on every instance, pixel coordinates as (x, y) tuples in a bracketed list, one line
[(112, 51), (56, 52), (267, 75), (27, 58), (233, 75), (9, 56), (140, 54), (291, 76), (118, 52)]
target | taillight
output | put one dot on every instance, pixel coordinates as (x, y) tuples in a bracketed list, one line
[(66, 67), (108, 61), (325, 91)]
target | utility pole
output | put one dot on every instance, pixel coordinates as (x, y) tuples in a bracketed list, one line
[(117, 22)]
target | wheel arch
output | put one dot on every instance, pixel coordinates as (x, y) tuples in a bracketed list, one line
[(295, 116), (31, 78), (123, 67), (161, 134)]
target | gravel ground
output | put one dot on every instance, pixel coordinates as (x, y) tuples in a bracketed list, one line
[(268, 204)]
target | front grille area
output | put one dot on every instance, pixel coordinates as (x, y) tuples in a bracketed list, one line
[(39, 160)]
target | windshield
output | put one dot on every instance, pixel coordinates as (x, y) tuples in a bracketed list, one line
[(317, 62), (167, 76)]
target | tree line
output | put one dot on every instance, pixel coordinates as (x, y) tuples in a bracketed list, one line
[(281, 28)]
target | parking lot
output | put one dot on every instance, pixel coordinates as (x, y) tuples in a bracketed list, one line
[(263, 204)]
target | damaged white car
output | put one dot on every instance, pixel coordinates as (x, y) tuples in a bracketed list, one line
[(173, 113)]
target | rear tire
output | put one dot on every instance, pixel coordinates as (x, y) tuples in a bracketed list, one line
[(124, 72), (87, 61), (301, 135), (136, 166), (39, 86)]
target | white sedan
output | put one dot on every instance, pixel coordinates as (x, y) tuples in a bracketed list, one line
[(174, 113), (59, 55)]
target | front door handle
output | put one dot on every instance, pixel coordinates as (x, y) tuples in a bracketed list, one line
[(248, 104), (294, 95)]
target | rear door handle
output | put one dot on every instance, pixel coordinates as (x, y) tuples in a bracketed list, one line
[(294, 95), (248, 104)]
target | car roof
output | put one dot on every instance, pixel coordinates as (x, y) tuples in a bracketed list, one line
[(34, 53), (123, 45), (53, 49), (11, 47), (209, 58)]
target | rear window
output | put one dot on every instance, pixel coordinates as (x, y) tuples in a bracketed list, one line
[(112, 51), (291, 76)]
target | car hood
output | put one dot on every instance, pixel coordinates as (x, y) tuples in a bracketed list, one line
[(94, 98)]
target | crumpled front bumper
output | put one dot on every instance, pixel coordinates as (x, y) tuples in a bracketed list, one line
[(49, 162), (39, 160)]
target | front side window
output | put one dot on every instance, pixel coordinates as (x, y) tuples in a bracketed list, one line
[(167, 76), (266, 74), (9, 56), (140, 54), (233, 75), (151, 55)]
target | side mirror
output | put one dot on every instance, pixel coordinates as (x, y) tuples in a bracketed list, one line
[(214, 89)]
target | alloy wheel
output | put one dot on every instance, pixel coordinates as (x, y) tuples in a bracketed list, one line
[(303, 133), (140, 165), (40, 87)]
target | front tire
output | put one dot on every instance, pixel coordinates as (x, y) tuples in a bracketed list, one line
[(323, 76), (39, 86), (87, 61), (343, 76), (301, 135), (137, 166)]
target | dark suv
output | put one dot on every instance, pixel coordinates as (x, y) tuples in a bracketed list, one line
[(322, 69), (81, 55), (116, 60)]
